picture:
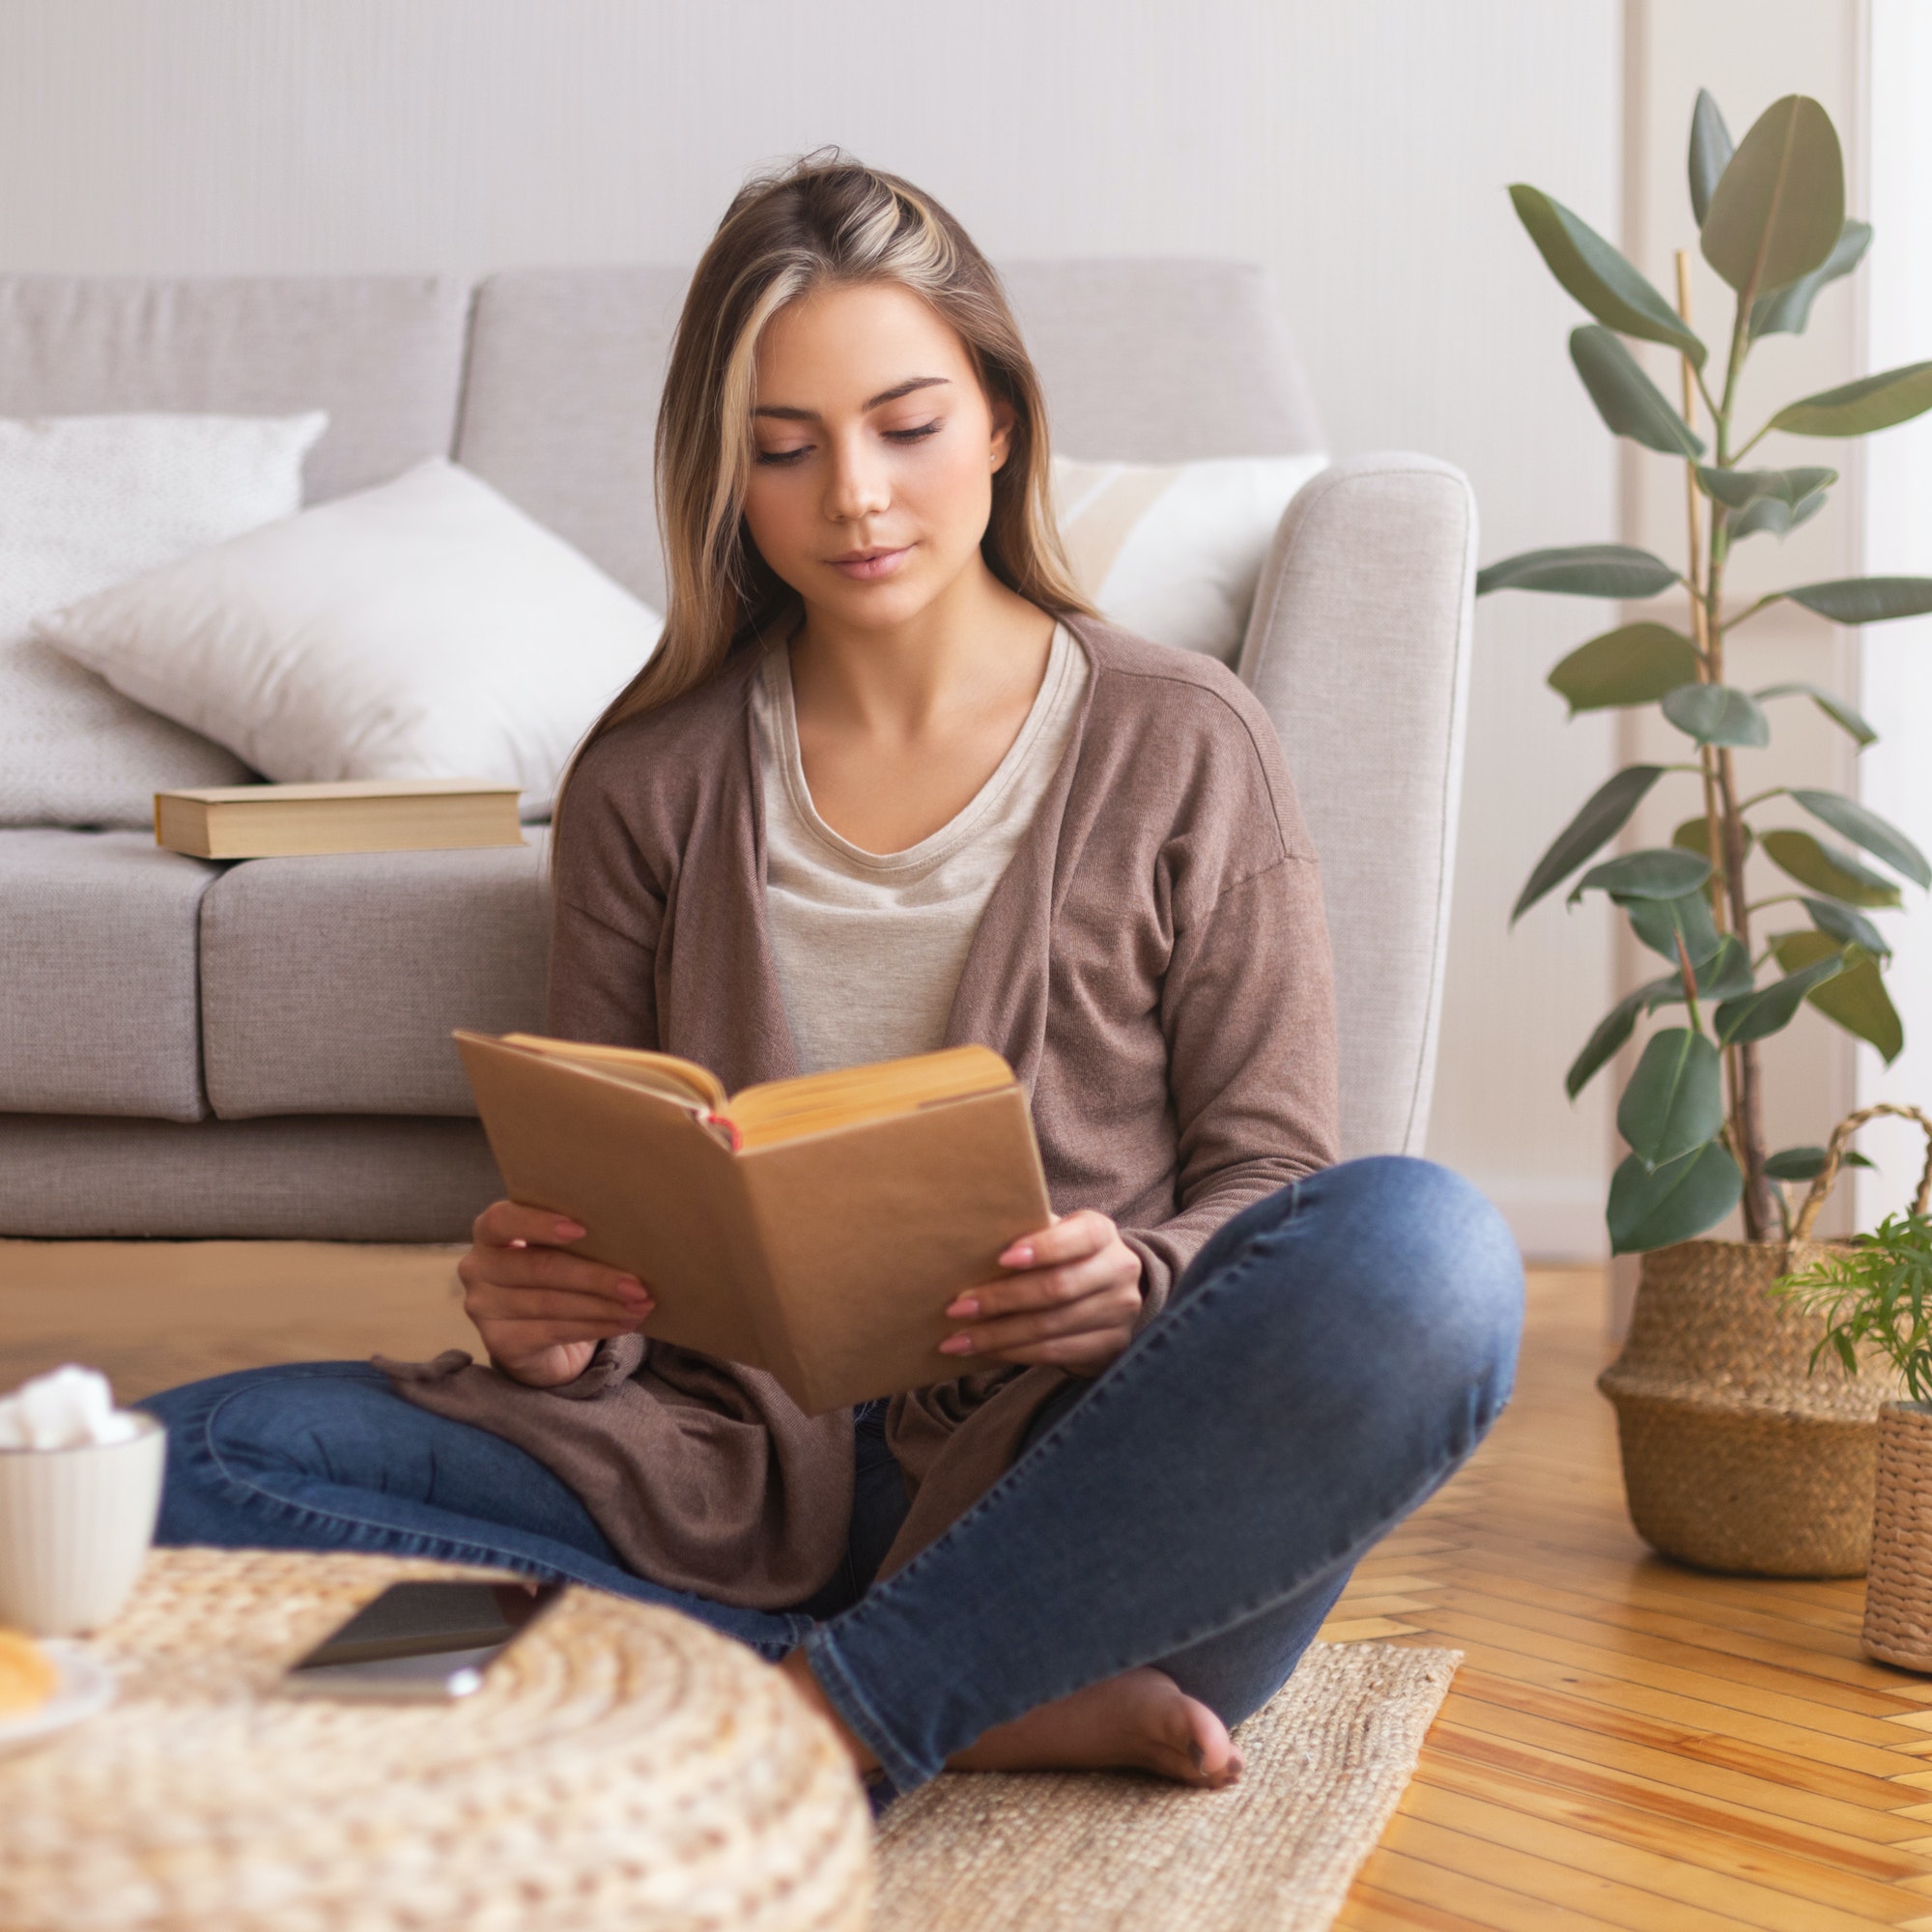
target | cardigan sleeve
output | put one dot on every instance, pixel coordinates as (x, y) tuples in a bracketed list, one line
[(1248, 1008), (607, 913)]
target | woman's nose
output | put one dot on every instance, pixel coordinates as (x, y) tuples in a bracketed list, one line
[(858, 487)]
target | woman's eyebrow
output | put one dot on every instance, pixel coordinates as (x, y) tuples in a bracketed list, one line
[(786, 414)]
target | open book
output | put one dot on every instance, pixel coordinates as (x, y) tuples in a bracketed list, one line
[(815, 1228)]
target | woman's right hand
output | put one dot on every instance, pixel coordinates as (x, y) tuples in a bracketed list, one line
[(541, 1310)]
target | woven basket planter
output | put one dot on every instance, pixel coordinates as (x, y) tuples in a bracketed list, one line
[(1898, 1592), (1735, 1456)]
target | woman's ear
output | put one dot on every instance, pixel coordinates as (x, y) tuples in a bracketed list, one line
[(1001, 444)]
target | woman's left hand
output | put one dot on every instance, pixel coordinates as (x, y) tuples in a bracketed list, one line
[(1071, 1303)]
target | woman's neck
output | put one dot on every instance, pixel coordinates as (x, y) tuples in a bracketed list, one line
[(976, 644)]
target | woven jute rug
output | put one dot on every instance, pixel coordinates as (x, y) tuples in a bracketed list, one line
[(1112, 1852)]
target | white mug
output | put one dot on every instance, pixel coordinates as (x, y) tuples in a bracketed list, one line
[(74, 1526)]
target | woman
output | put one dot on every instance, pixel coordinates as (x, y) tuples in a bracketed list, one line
[(889, 784)]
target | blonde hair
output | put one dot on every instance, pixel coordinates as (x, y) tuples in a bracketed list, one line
[(824, 220)]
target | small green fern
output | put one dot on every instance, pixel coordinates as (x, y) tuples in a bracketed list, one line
[(1875, 1296)]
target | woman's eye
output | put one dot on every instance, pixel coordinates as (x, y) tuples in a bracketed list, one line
[(917, 435), (784, 456)]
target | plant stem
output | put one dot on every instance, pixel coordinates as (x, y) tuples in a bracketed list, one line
[(1758, 1202), (1750, 612), (1700, 614), (1689, 979)]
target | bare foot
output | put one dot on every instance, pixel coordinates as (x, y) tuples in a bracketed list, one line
[(1140, 1720)]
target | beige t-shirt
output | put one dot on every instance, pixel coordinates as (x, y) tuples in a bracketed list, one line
[(870, 946)]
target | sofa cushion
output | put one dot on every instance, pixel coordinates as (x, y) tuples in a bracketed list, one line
[(98, 946), (87, 502), (316, 1180), (329, 985), (561, 405), (1163, 362), (382, 354)]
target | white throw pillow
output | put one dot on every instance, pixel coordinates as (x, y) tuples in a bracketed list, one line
[(1174, 552), (86, 503), (425, 629)]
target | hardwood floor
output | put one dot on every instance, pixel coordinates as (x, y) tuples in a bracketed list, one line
[(1630, 1743), (1627, 1743), (151, 1313)]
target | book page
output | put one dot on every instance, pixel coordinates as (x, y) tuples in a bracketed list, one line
[(680, 1080), (781, 1110)]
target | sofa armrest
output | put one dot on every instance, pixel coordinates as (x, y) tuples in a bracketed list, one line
[(1358, 646)]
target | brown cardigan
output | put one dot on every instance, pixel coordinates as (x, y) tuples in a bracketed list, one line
[(1155, 966)]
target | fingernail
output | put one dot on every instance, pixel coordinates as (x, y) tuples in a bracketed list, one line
[(956, 1344), (964, 1309), (1019, 1257), (568, 1230), (1199, 1756), (633, 1288)]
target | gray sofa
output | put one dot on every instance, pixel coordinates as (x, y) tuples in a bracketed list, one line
[(263, 1048)]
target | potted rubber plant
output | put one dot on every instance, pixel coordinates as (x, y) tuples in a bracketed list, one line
[(1705, 1452), (1874, 1296)]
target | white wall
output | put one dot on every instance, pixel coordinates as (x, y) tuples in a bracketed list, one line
[(1897, 541), (1361, 151)]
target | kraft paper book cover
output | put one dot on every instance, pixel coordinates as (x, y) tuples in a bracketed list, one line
[(815, 1228)]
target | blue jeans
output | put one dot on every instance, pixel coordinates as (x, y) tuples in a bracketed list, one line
[(1329, 1358)]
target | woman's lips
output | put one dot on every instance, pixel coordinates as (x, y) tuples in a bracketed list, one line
[(867, 564)]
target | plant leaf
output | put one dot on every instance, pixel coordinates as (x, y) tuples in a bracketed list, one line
[(1806, 1163), (1780, 205), (1865, 827), (1711, 149), (1727, 973), (1787, 310), (1831, 704), (1628, 401), (1768, 514), (1758, 1015), (1846, 926), (1739, 489), (1776, 500), (1650, 1208), (1660, 923), (1690, 836), (1611, 1030), (1598, 276), (1661, 872), (1855, 998), (1675, 1100), (1865, 600), (1717, 714), (1635, 663), (1580, 570), (1824, 869), (1602, 816), (1857, 409)]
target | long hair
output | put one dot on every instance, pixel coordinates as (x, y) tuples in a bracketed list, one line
[(824, 220)]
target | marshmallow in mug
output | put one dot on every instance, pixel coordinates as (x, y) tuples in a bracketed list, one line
[(66, 1409)]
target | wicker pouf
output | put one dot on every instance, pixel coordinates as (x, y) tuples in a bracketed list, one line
[(1736, 1456), (622, 1766)]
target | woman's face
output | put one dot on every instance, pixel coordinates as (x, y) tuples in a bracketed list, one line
[(873, 477)]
